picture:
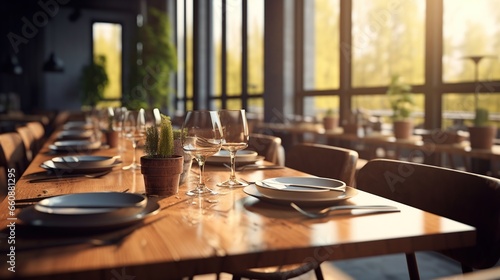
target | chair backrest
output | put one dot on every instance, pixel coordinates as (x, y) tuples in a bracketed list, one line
[(267, 146), (12, 156), (28, 140), (465, 197), (38, 132), (324, 161)]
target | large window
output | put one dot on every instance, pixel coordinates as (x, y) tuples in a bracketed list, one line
[(387, 38), (234, 55), (107, 42)]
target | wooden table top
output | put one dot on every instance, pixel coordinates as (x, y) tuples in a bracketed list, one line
[(228, 232)]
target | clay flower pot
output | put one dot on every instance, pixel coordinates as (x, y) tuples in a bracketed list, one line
[(482, 137), (403, 129), (330, 123), (112, 138), (162, 175)]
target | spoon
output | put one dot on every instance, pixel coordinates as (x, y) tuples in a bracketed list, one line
[(324, 212)]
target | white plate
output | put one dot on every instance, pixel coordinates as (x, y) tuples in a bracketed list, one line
[(49, 165), (77, 125), (31, 217), (74, 145), (75, 134), (293, 192), (82, 161), (113, 204), (242, 157), (252, 191)]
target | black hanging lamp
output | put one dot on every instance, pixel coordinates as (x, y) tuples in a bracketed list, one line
[(53, 64)]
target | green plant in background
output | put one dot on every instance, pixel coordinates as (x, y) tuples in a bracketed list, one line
[(152, 68), (160, 139), (94, 80), (400, 99)]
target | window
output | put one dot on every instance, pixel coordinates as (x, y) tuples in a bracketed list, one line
[(471, 28), (387, 38), (321, 55), (107, 42)]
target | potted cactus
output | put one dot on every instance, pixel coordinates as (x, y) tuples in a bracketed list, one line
[(160, 167), (481, 134)]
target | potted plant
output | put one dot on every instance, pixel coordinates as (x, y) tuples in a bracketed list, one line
[(401, 103), (158, 61), (112, 136), (330, 120), (94, 80), (160, 167), (481, 134)]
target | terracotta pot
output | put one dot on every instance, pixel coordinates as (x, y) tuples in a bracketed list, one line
[(161, 175), (403, 129), (330, 123), (482, 137), (188, 160), (112, 138)]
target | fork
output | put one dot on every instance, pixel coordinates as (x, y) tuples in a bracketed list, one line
[(324, 212)]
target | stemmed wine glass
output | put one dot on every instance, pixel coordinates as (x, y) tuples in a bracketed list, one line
[(201, 137), (134, 129), (235, 138)]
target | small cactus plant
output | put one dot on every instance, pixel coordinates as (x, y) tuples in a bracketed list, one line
[(160, 139)]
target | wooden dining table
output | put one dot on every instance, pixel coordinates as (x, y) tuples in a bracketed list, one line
[(193, 235)]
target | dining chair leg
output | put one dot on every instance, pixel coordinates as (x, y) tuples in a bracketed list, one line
[(411, 261), (319, 273)]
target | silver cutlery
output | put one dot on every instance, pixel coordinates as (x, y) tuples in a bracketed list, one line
[(324, 212), (255, 167), (59, 177), (278, 185)]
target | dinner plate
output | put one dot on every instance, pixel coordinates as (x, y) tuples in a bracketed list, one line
[(103, 204), (74, 145), (83, 161), (77, 125), (49, 165), (242, 157), (287, 188), (252, 190), (31, 217), (75, 134)]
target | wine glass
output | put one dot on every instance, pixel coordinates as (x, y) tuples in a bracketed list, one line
[(201, 137), (235, 138), (134, 129)]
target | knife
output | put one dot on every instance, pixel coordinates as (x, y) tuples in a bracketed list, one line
[(283, 186)]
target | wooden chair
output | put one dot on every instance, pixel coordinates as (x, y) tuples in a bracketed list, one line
[(319, 160), (12, 159), (38, 131), (28, 140), (324, 161), (267, 146), (465, 197)]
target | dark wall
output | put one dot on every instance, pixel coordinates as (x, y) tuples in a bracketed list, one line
[(32, 29)]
